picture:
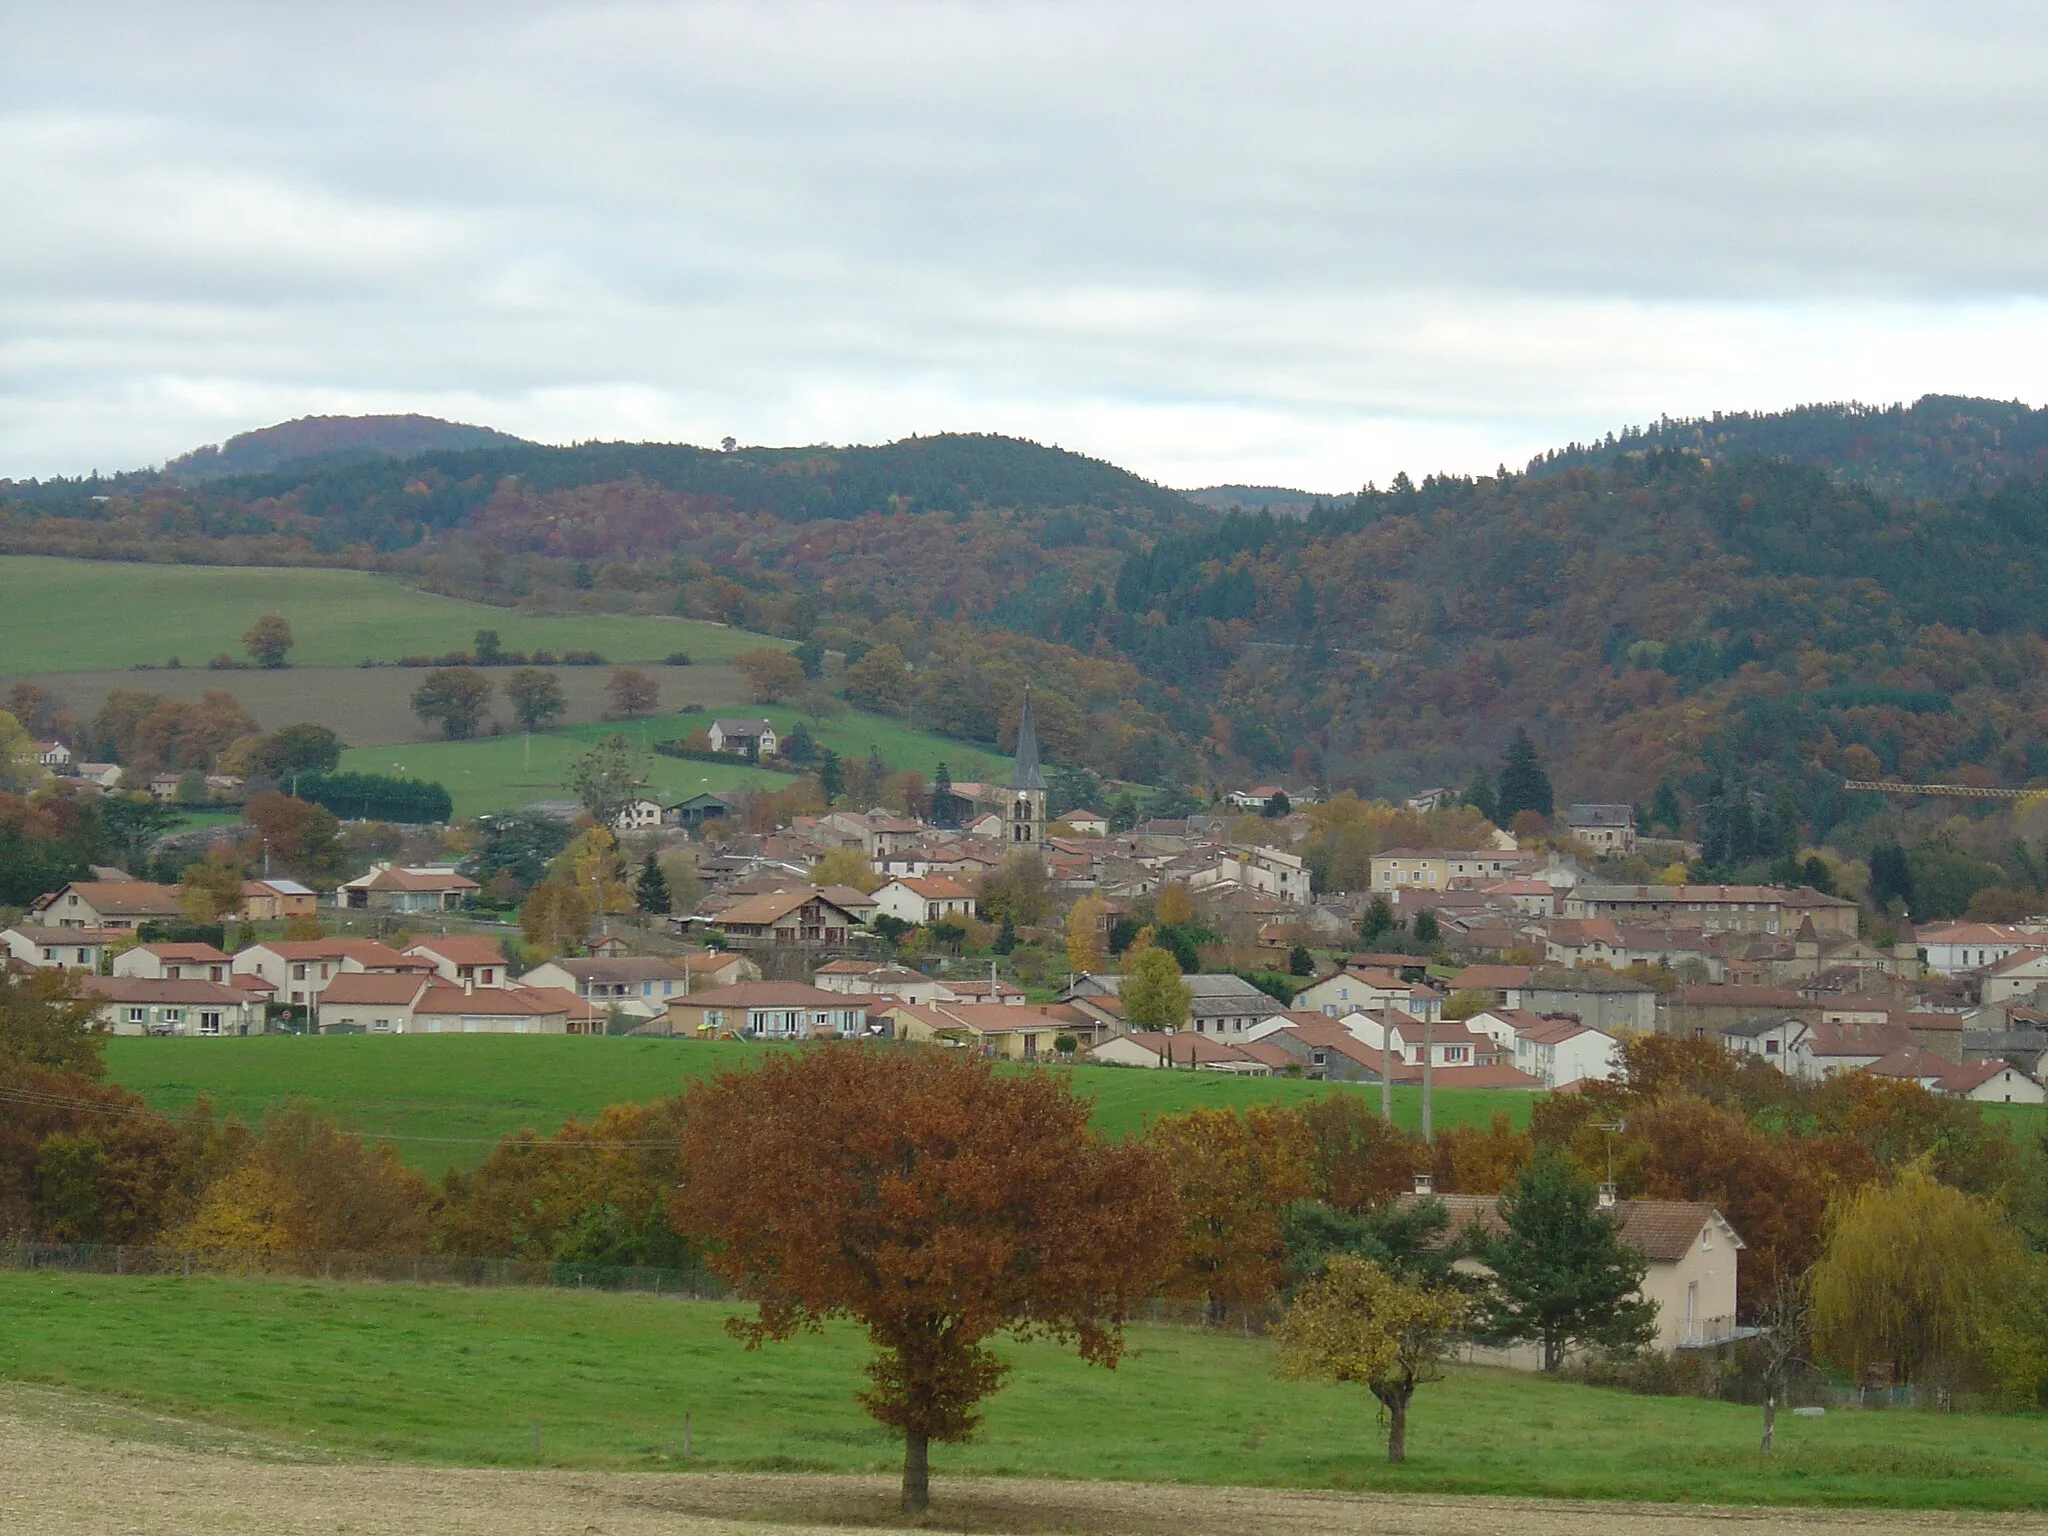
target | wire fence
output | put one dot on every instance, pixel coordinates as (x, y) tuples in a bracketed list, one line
[(391, 1268)]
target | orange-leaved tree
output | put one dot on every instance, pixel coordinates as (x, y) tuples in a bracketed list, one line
[(929, 1199), (1235, 1173)]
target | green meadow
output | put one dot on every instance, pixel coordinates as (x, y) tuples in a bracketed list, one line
[(454, 1376), (73, 615), (495, 773), (446, 1098)]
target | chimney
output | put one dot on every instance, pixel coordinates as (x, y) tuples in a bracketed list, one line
[(1425, 1184), (1607, 1196)]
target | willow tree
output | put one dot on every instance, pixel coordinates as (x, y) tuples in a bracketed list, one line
[(1914, 1271), (932, 1201)]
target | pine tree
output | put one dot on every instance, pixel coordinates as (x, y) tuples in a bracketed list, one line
[(944, 810), (1377, 921), (1006, 940), (1561, 1273), (652, 891), (1480, 796), (1664, 809), (831, 781), (1524, 786)]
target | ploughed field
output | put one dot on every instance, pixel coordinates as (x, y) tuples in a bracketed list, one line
[(360, 1373), (445, 1098)]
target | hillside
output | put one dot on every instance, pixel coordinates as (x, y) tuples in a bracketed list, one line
[(330, 440), (1940, 445), (1750, 604)]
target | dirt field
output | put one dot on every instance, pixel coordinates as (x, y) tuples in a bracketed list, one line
[(75, 1466)]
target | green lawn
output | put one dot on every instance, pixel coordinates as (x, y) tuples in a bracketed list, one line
[(64, 615), (458, 1093), (495, 773), (442, 1374)]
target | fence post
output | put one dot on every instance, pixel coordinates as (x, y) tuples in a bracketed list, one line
[(536, 1441), (686, 1434)]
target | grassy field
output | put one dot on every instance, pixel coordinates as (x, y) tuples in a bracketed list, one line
[(372, 706), (447, 1097), (495, 773), (446, 1375), (67, 615)]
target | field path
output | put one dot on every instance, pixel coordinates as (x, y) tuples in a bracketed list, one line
[(72, 1467)]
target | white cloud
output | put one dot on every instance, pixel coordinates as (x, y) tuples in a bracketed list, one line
[(1307, 244)]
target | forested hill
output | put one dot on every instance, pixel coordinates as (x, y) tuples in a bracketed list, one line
[(311, 441), (1696, 612), (1940, 445)]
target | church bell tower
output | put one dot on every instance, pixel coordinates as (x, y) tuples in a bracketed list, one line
[(1027, 785)]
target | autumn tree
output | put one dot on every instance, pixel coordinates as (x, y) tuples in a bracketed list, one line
[(1234, 1174), (19, 769), (535, 696), (1561, 1273), (300, 748), (1174, 906), (771, 675), (879, 679), (556, 915), (1018, 888), (607, 779), (933, 1201), (309, 1186), (633, 693), (210, 888), (45, 1021), (1913, 1274), (845, 865), (454, 698), (296, 834), (1360, 1324), (1151, 991), (268, 640), (1086, 922), (1356, 1158)]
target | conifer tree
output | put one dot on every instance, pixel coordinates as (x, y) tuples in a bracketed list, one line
[(652, 890), (1524, 786)]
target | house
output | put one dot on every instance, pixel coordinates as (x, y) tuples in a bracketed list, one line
[(372, 1003), (1501, 984), (1267, 871), (929, 900), (54, 755), (1369, 989), (1716, 908), (1218, 1005), (392, 888), (107, 904), (1703, 1012), (144, 1005), (301, 969), (163, 787), (176, 962), (1990, 1082), (1768, 1036), (768, 1010), (103, 775), (638, 815), (868, 978), (1435, 869), (1607, 828), (744, 738), (1423, 801), (473, 959), (1606, 1000), (1692, 1251), (1316, 1046), (1152, 1049), (802, 916), (267, 900), (1086, 823), (2018, 975), (642, 985), (67, 949), (990, 1029), (1828, 1050), (696, 810), (1560, 1052)]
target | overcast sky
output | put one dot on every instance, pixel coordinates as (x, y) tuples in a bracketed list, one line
[(1294, 244)]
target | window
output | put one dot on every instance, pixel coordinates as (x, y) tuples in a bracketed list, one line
[(298, 973), (138, 1015), (209, 1023), (85, 957), (173, 1015), (49, 954)]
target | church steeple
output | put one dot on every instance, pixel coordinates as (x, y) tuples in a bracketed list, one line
[(1027, 783)]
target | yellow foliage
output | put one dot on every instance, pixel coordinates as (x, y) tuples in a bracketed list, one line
[(846, 866), (1085, 921)]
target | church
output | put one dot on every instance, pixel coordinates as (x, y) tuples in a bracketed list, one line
[(1026, 796)]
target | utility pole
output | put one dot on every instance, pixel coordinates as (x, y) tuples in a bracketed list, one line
[(1386, 1070), (1428, 1041)]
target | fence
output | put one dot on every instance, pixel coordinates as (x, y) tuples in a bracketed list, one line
[(392, 1268)]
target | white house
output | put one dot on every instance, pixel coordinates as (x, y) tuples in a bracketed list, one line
[(65, 949), (1609, 828), (1268, 871), (54, 755), (1774, 1037), (1954, 948), (1369, 989), (927, 900), (744, 738), (141, 1005), (301, 969), (641, 815), (1563, 1051), (464, 958), (175, 962), (2017, 975)]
